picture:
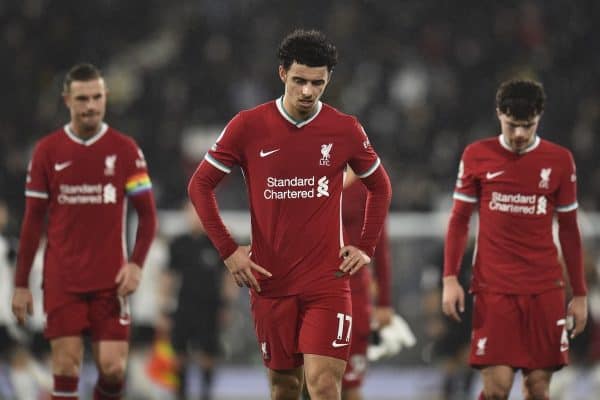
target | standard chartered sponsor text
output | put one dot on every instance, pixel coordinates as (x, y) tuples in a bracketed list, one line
[(80, 194), (515, 203), (290, 188)]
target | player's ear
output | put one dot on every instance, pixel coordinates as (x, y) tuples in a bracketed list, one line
[(282, 73), (498, 112), (66, 99)]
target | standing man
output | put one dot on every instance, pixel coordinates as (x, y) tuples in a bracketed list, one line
[(518, 182), (364, 289), (79, 177), (196, 321), (293, 152)]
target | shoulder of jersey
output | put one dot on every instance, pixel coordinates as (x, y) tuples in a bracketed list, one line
[(120, 137), (488, 143), (554, 147)]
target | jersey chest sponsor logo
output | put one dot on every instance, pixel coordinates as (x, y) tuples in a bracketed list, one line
[(517, 203), (87, 194), (296, 188)]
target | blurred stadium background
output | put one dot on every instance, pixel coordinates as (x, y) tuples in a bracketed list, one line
[(420, 75)]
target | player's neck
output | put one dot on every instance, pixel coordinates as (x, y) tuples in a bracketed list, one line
[(295, 114), (83, 132)]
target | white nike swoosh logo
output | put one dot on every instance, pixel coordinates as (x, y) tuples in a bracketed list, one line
[(267, 153), (335, 344), (61, 166), (492, 175)]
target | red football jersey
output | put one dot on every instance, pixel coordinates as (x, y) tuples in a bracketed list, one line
[(518, 195), (294, 173), (85, 184)]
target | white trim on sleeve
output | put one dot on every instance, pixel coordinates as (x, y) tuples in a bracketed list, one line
[(463, 197), (217, 164)]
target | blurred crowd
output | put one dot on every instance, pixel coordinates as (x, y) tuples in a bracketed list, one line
[(420, 75)]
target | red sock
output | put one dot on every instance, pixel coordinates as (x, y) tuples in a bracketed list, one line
[(108, 390), (65, 388)]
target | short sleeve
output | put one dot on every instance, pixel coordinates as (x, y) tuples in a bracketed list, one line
[(566, 197), (36, 184), (226, 152), (138, 180), (363, 160), (466, 188)]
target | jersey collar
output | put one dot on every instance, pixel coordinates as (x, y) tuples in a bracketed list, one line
[(531, 147), (87, 142), (288, 117)]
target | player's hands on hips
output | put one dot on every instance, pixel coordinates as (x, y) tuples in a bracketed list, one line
[(22, 304), (354, 259), (240, 266), (128, 279), (578, 310), (383, 316), (453, 296)]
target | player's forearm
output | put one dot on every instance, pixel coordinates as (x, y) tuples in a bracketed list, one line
[(31, 232), (202, 195), (383, 269), (147, 226), (456, 237), (570, 243), (378, 203)]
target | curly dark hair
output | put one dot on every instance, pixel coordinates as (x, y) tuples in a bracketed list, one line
[(307, 47), (81, 72), (521, 99)]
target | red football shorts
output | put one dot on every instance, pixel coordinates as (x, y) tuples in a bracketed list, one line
[(521, 331), (309, 323), (102, 314), (361, 330)]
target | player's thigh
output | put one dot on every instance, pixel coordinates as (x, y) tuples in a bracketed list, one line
[(497, 379), (361, 330), (66, 354), (111, 357), (276, 324), (323, 372), (548, 338), (110, 318), (327, 324), (67, 317), (499, 331), (286, 383), (536, 383)]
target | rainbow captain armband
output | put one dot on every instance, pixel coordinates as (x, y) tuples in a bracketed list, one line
[(138, 183)]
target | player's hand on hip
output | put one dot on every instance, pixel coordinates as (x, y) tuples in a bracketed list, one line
[(240, 266), (354, 259), (453, 296), (128, 279), (578, 310), (22, 304)]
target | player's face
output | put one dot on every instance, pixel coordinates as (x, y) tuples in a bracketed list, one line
[(518, 134), (86, 101), (304, 86)]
